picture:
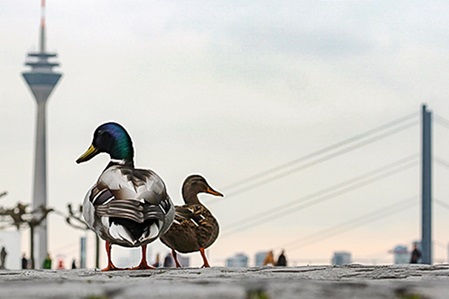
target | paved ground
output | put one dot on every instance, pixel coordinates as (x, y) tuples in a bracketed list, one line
[(354, 281)]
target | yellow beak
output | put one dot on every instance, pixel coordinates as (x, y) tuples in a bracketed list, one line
[(89, 154)]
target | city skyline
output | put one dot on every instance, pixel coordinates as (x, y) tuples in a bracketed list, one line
[(230, 90)]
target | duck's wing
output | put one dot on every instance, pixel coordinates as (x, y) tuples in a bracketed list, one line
[(199, 217), (189, 213), (129, 204)]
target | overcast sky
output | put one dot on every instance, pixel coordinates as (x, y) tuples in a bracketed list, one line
[(229, 89)]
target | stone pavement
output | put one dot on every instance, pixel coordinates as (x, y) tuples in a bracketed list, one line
[(352, 281)]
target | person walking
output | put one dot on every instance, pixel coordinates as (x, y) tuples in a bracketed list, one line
[(3, 255), (73, 264), (24, 262), (282, 260), (157, 262), (47, 262), (416, 255), (269, 259), (168, 261), (60, 265)]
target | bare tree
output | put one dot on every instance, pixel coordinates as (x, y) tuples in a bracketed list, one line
[(20, 216)]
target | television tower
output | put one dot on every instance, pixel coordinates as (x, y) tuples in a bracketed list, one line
[(41, 80)]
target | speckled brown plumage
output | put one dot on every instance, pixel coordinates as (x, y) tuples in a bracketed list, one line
[(195, 228)]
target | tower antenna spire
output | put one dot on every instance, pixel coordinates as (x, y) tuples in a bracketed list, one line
[(42, 29)]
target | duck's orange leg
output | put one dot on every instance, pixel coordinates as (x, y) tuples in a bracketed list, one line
[(175, 257), (203, 255), (110, 266), (143, 262)]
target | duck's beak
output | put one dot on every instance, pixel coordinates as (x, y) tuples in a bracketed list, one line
[(213, 192), (89, 154)]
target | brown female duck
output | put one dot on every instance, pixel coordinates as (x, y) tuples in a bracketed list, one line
[(194, 227)]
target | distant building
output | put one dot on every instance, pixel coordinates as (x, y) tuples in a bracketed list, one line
[(229, 262), (238, 260), (341, 258), (401, 255), (260, 257)]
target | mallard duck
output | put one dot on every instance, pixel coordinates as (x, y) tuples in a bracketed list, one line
[(194, 227), (127, 206)]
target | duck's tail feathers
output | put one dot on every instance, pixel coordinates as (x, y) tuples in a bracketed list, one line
[(130, 209), (120, 232)]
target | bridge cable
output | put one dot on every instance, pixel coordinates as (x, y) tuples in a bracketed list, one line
[(240, 189), (288, 208)]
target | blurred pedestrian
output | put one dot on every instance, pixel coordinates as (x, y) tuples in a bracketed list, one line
[(168, 261), (73, 264), (24, 262), (282, 260), (47, 262), (269, 259), (157, 262), (3, 255), (60, 265), (416, 255)]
